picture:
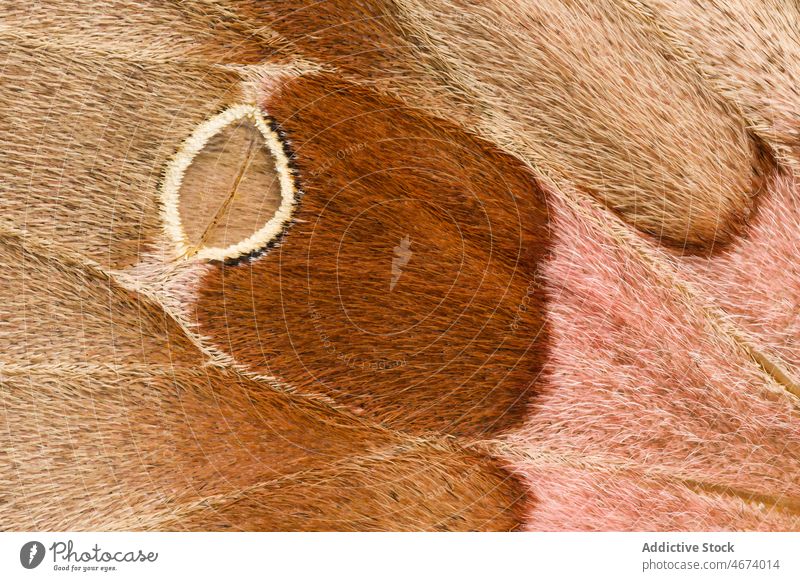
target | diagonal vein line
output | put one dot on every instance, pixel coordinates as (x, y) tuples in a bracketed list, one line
[(252, 149)]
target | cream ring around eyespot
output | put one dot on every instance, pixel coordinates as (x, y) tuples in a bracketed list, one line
[(194, 144)]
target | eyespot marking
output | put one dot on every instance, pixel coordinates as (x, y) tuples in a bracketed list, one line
[(225, 222)]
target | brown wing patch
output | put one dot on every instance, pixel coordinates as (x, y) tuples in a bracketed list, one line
[(407, 287), (112, 421)]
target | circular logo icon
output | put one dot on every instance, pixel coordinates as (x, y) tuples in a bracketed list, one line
[(31, 554)]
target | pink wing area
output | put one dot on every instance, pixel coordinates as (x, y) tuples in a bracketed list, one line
[(757, 280), (653, 419)]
